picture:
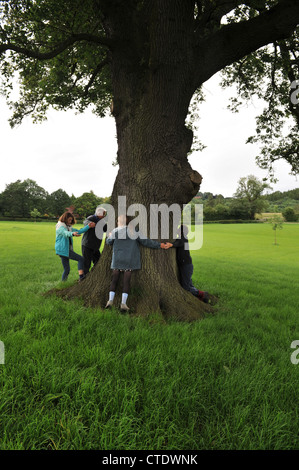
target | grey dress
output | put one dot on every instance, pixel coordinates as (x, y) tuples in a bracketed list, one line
[(126, 252)]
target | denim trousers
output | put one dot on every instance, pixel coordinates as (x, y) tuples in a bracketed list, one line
[(186, 271), (66, 263)]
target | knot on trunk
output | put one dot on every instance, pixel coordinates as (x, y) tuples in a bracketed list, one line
[(195, 177), (196, 180)]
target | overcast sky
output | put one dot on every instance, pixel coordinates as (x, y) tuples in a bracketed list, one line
[(75, 152)]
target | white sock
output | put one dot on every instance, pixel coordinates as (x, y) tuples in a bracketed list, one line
[(111, 295), (124, 298)]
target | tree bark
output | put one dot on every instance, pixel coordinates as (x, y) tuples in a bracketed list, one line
[(157, 172), (150, 107)]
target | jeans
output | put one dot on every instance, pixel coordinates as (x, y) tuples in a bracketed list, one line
[(186, 271), (66, 263), (89, 256)]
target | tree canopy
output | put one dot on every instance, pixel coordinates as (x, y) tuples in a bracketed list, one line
[(271, 74), (61, 54)]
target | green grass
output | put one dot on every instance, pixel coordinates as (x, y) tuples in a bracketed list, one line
[(77, 378)]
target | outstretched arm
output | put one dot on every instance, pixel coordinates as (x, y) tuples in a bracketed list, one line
[(84, 229), (149, 243)]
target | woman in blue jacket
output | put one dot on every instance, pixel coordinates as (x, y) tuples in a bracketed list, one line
[(64, 243), (125, 257)]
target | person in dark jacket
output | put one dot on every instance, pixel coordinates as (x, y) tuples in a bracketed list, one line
[(90, 242), (125, 257), (185, 265)]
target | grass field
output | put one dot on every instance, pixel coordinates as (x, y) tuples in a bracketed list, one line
[(77, 378)]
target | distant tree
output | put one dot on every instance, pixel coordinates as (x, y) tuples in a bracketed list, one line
[(106, 200), (276, 196), (210, 201), (222, 212), (219, 199), (277, 224), (19, 198), (290, 215), (206, 196), (57, 202), (250, 190), (239, 209), (35, 214), (86, 204), (2, 207), (275, 208), (209, 213), (293, 193)]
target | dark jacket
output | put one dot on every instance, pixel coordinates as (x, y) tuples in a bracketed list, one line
[(182, 252), (126, 253), (89, 238)]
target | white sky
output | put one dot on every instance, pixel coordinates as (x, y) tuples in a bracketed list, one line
[(75, 152)]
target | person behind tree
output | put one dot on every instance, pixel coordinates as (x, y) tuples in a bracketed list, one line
[(64, 243), (185, 265), (125, 257), (90, 244)]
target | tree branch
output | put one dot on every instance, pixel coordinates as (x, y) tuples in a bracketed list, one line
[(95, 73), (234, 41), (37, 54), (213, 12)]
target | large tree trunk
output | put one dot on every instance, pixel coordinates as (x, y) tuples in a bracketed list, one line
[(157, 172), (150, 107)]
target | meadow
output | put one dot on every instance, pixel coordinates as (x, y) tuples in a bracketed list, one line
[(80, 378)]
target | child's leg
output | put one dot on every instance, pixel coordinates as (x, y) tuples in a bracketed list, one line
[(113, 285), (126, 286), (114, 280), (66, 266)]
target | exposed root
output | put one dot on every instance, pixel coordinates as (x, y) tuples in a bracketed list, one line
[(149, 294)]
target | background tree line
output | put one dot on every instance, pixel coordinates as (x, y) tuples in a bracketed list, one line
[(27, 199), (249, 201)]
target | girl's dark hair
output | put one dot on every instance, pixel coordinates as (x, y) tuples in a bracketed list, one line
[(64, 218)]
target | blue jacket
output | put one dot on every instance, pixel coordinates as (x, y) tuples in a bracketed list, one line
[(64, 238), (126, 253)]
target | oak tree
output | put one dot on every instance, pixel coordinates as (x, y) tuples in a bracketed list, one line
[(148, 58), (250, 190)]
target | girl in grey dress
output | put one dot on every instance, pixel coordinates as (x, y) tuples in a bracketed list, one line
[(125, 257)]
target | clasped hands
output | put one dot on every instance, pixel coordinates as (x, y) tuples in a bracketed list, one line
[(165, 246)]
